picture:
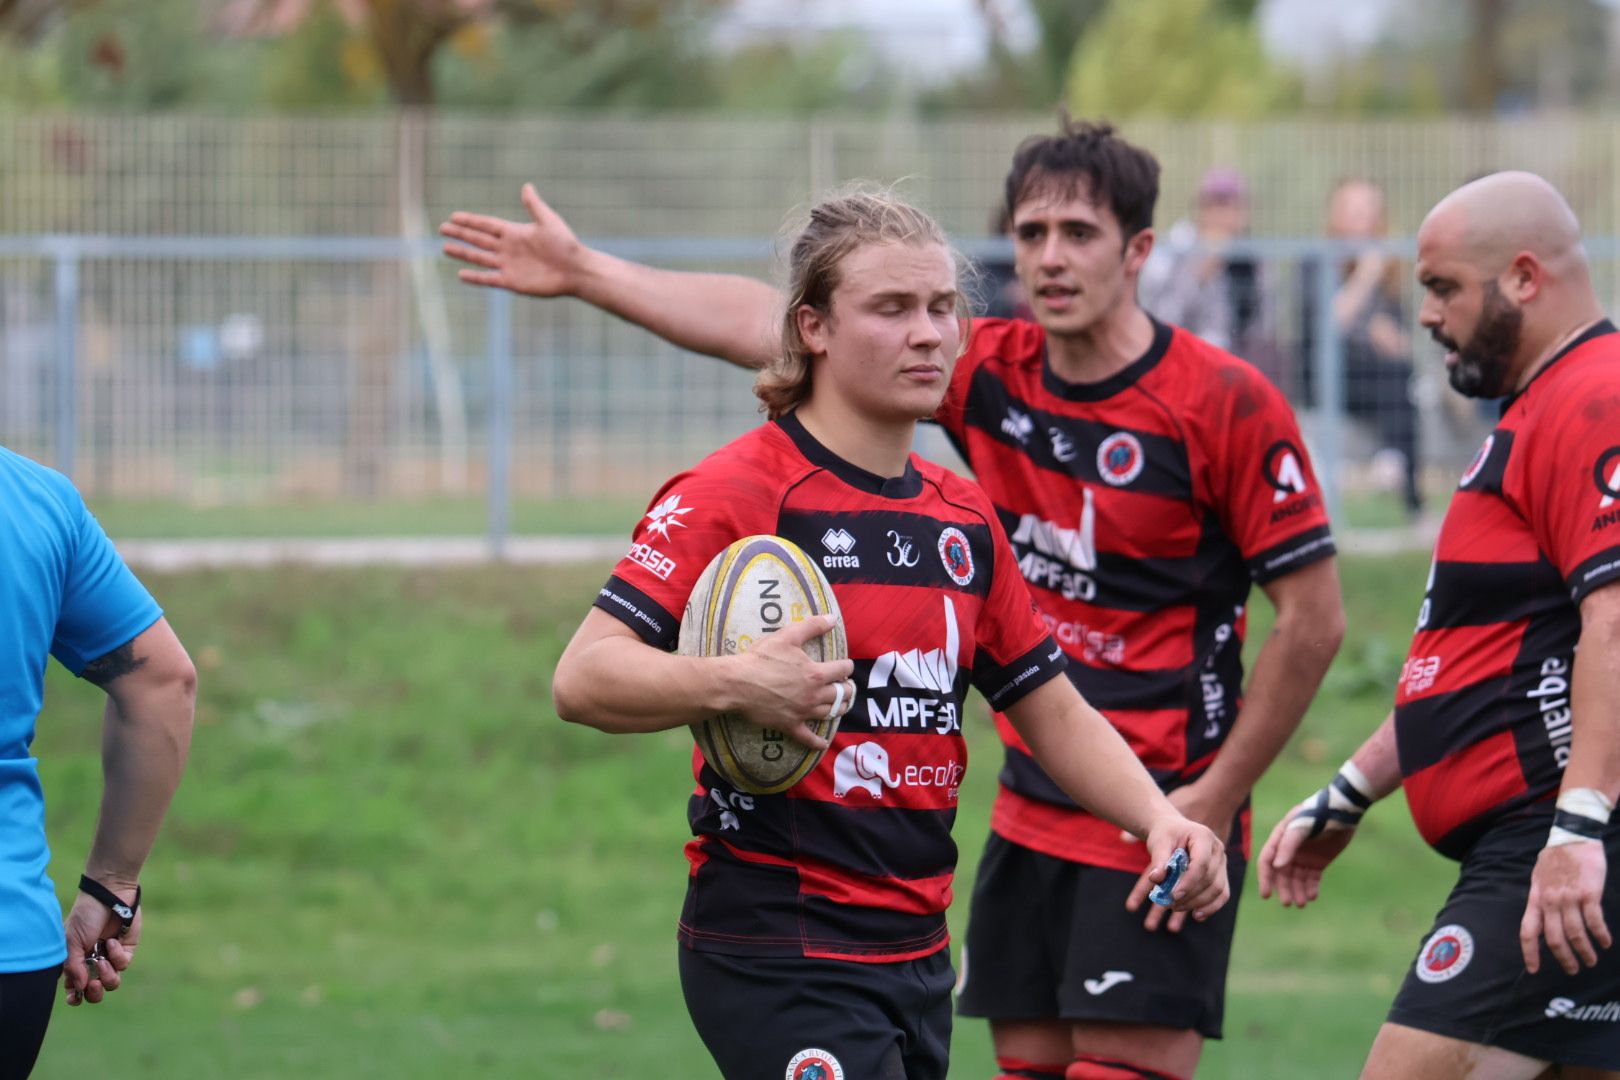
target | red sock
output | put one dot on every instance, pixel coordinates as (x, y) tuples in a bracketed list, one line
[(1087, 1067), (1018, 1069)]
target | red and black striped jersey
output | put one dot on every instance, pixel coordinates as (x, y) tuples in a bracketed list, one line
[(1482, 711), (855, 861), (1140, 509)]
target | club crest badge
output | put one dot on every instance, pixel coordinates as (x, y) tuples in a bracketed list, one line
[(813, 1064), (1120, 459), (956, 554), (1446, 954), (1481, 456)]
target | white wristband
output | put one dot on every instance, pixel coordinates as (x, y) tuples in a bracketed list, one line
[(1337, 806), (1357, 779), (1581, 815), (1587, 802)]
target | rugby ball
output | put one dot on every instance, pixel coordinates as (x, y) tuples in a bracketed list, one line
[(758, 585)]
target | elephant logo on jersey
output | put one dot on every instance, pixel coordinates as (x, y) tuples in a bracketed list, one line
[(1283, 471), (957, 556), (1445, 954), (666, 515), (1608, 484), (814, 1065), (864, 766), (1120, 458)]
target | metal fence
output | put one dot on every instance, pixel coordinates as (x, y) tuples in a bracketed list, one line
[(180, 320)]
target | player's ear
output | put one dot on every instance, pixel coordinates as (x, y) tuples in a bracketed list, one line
[(1522, 280), (813, 326), (1137, 249)]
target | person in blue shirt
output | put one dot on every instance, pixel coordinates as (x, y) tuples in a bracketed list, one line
[(64, 592)]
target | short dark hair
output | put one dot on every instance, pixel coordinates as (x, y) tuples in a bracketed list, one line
[(1123, 177)]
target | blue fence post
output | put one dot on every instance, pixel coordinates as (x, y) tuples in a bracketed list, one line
[(499, 347), (1328, 362), (67, 354)]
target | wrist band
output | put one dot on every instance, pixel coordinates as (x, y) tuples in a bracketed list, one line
[(105, 896), (1587, 802), (1582, 814), (1339, 805)]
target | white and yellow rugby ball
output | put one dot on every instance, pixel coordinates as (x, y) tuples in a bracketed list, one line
[(758, 585)]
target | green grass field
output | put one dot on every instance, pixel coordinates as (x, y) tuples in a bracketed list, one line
[(155, 519), (389, 858)]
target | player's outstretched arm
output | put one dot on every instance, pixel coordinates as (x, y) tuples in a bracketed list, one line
[(608, 678), (726, 315), (151, 689), (1092, 763), (1565, 907), (1311, 835)]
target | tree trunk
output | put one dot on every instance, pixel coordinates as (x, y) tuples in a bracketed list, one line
[(1485, 55)]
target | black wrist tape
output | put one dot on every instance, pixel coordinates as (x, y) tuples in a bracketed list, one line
[(1579, 824), (125, 912)]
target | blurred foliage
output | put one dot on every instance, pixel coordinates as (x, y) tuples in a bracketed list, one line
[(139, 54), (1012, 79), (1176, 58), (1538, 53), (354, 55), (25, 20), (1173, 58), (657, 66)]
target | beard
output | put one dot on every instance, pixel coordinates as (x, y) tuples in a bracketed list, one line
[(1483, 363)]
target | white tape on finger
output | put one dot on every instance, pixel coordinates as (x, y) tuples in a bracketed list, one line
[(837, 709)]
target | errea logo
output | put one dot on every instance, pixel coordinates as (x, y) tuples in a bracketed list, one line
[(1018, 424), (839, 542)]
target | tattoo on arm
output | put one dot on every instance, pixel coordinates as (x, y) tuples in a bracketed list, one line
[(121, 661)]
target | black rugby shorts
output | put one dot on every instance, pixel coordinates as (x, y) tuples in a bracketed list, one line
[(1468, 980), (1050, 939), (782, 1018), (26, 998)]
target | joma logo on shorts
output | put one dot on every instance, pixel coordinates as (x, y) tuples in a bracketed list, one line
[(1606, 1011)]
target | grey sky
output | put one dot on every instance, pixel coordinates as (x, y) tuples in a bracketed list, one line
[(933, 39)]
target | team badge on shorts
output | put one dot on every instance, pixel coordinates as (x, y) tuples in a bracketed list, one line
[(1445, 954), (814, 1065), (1120, 458), (957, 556)]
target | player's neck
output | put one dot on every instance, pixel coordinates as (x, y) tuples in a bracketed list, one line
[(1568, 326), (1103, 349), (882, 449)]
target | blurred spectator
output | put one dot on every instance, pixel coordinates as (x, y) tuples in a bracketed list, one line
[(1371, 320), (1192, 282)]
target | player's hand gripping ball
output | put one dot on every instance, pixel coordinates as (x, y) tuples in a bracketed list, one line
[(758, 585)]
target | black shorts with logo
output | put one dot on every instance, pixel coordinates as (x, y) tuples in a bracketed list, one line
[(765, 1018), (1050, 939), (1469, 982)]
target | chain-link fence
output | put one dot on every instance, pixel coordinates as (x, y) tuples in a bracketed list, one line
[(210, 312)]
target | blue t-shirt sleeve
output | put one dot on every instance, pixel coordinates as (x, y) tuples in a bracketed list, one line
[(103, 605)]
